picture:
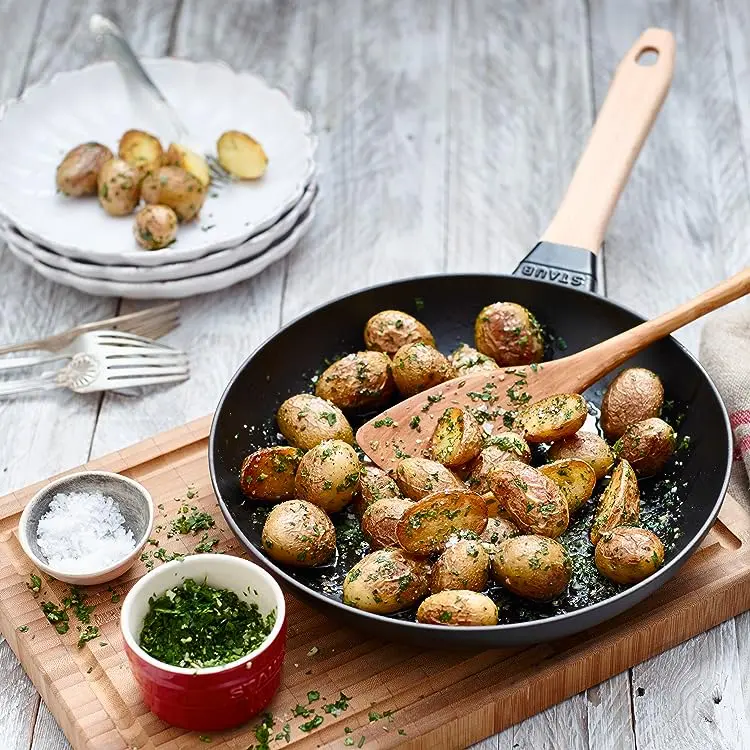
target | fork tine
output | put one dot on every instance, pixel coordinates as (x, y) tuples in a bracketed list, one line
[(121, 361), (151, 380), (132, 373), (120, 338)]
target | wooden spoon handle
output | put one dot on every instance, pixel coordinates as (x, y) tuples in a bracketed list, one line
[(625, 119), (595, 362)]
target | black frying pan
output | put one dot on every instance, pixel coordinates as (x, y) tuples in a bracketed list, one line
[(554, 281)]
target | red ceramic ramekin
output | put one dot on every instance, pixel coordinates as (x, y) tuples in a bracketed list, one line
[(216, 697)]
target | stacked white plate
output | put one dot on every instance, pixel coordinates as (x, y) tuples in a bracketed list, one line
[(243, 226)]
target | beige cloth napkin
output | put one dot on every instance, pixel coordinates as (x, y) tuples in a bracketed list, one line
[(725, 353)]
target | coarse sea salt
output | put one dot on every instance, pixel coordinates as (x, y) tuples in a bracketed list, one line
[(83, 532)]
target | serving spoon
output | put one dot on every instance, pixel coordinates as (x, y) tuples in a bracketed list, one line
[(405, 429)]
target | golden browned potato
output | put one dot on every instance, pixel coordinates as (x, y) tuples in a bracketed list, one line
[(419, 477), (389, 330), (586, 446), (574, 477), (509, 333), (634, 395), (141, 150), (628, 554), (155, 227), (620, 503), (427, 524), (176, 188), (458, 608), (357, 381), (457, 438), (306, 420), (241, 155), (328, 475), (380, 519), (384, 582), (268, 474), (466, 360), (195, 164), (374, 485), (533, 567), (646, 446), (77, 173), (464, 564), (118, 187), (512, 444), (298, 533), (417, 367), (536, 504), (505, 447), (497, 531), (552, 418)]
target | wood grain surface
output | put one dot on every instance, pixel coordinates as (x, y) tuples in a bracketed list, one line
[(448, 131)]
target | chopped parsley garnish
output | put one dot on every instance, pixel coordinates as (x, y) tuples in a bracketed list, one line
[(23, 629), (35, 585), (284, 734), (302, 711), (88, 634), (414, 423), (58, 617), (192, 523), (76, 601), (338, 706), (329, 417), (384, 422), (308, 726), (206, 544), (313, 695)]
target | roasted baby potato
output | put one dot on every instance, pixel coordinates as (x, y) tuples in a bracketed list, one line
[(552, 418), (268, 474), (306, 420), (491, 457), (628, 554), (458, 608), (512, 444), (374, 485), (155, 227), (141, 150), (574, 477), (389, 330), (417, 367), (118, 187), (427, 524), (497, 531), (509, 334), (380, 519), (195, 164), (619, 504), (385, 581), (328, 475), (241, 155), (634, 395), (419, 477), (536, 504), (457, 438), (533, 567), (466, 360), (298, 533), (586, 446), (176, 188), (357, 381), (646, 446), (463, 564), (77, 173)]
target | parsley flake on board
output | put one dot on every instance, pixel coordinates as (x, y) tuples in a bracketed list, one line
[(88, 634), (197, 625), (35, 585), (308, 726), (196, 521), (58, 617)]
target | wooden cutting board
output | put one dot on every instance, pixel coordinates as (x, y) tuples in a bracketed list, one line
[(437, 699)]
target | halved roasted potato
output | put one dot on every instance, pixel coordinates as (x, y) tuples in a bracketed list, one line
[(77, 173), (619, 504), (196, 164), (458, 608), (268, 473), (298, 533), (328, 475), (646, 446), (628, 554), (634, 395), (574, 477), (389, 330), (586, 446), (380, 519), (357, 381), (417, 367), (176, 188), (536, 504), (306, 420), (141, 150), (509, 333), (241, 155), (464, 564), (457, 438), (467, 360), (427, 524), (552, 418), (419, 477)]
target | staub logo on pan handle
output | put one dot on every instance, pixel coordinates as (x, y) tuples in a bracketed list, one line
[(560, 264)]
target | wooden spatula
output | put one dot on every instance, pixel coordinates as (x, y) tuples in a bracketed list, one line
[(391, 435)]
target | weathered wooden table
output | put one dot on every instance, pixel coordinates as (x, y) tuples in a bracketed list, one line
[(448, 130)]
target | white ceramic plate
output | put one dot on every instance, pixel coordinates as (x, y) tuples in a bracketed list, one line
[(180, 288), (93, 104), (215, 261)]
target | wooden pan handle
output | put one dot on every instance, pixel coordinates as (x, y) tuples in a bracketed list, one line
[(634, 99)]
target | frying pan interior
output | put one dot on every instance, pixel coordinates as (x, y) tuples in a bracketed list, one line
[(448, 305)]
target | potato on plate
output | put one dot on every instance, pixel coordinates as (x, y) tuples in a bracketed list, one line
[(628, 554), (574, 477), (141, 150), (646, 446), (357, 381), (268, 473), (306, 420), (196, 164), (155, 227), (419, 477), (299, 534), (328, 475), (586, 446), (552, 418), (417, 367), (118, 187), (176, 188), (457, 438), (509, 333), (634, 395), (241, 155), (458, 608), (77, 173), (389, 330), (619, 504)]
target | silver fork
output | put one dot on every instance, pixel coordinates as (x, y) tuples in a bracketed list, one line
[(130, 66), (87, 342), (108, 368)]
